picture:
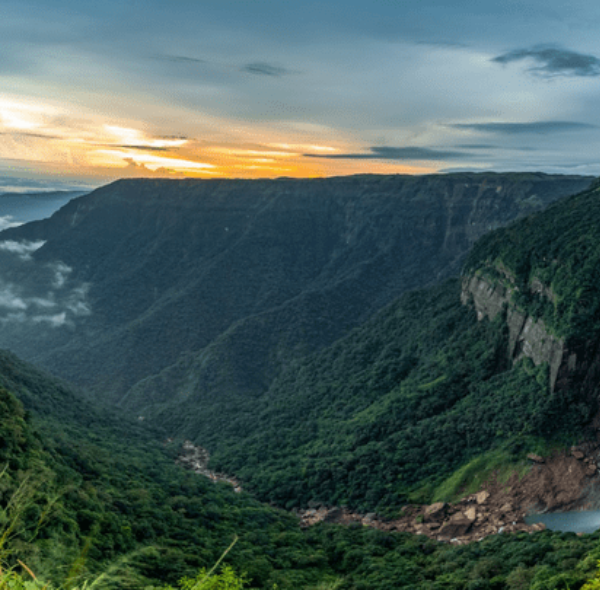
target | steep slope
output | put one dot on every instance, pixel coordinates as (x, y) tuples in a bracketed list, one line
[(387, 413), (425, 389), (428, 384), (545, 272), (93, 492), (217, 285), (106, 503)]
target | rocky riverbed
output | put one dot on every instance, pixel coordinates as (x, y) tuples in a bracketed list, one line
[(564, 481), (196, 459)]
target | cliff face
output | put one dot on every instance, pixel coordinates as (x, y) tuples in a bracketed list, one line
[(545, 269), (528, 337), (571, 362)]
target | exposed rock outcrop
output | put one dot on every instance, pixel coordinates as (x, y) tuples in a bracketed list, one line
[(563, 481), (528, 337)]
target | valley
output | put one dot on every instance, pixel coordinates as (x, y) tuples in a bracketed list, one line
[(316, 342), (208, 289)]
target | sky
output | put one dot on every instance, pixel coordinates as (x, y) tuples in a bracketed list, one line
[(93, 91)]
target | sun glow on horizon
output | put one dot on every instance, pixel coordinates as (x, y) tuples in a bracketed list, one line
[(73, 141), (154, 163), (135, 138)]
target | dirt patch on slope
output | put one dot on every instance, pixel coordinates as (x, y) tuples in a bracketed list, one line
[(564, 481)]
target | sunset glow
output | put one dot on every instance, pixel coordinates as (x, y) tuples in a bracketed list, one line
[(41, 133), (229, 90)]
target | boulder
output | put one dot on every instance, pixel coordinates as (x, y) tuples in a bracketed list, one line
[(506, 509), (458, 526), (435, 511), (535, 458), (482, 496), (538, 526), (471, 513)]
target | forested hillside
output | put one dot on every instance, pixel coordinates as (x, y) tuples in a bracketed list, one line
[(558, 249), (87, 497), (103, 494), (388, 412), (217, 285)]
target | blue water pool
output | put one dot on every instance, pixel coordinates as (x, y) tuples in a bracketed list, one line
[(568, 522)]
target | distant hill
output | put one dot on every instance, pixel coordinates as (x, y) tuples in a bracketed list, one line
[(17, 208), (215, 286)]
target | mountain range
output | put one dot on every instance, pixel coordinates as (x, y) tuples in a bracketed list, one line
[(370, 343), (215, 286)]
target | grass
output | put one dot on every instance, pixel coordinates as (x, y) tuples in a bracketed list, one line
[(468, 479)]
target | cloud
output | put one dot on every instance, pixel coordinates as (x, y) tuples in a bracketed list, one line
[(488, 146), (141, 148), (478, 146), (41, 302), (136, 139), (553, 61), (56, 320), (397, 153), (37, 292), (76, 303), (183, 59), (7, 221), (61, 272), (13, 184), (257, 68), (153, 162), (260, 68), (26, 134), (134, 169), (10, 300), (534, 128), (22, 249)]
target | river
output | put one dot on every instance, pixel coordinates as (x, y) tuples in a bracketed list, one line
[(573, 522)]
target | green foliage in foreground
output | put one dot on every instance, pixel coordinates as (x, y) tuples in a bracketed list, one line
[(104, 498), (227, 579), (389, 412), (366, 559)]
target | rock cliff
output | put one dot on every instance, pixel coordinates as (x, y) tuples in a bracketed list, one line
[(528, 336), (545, 270)]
